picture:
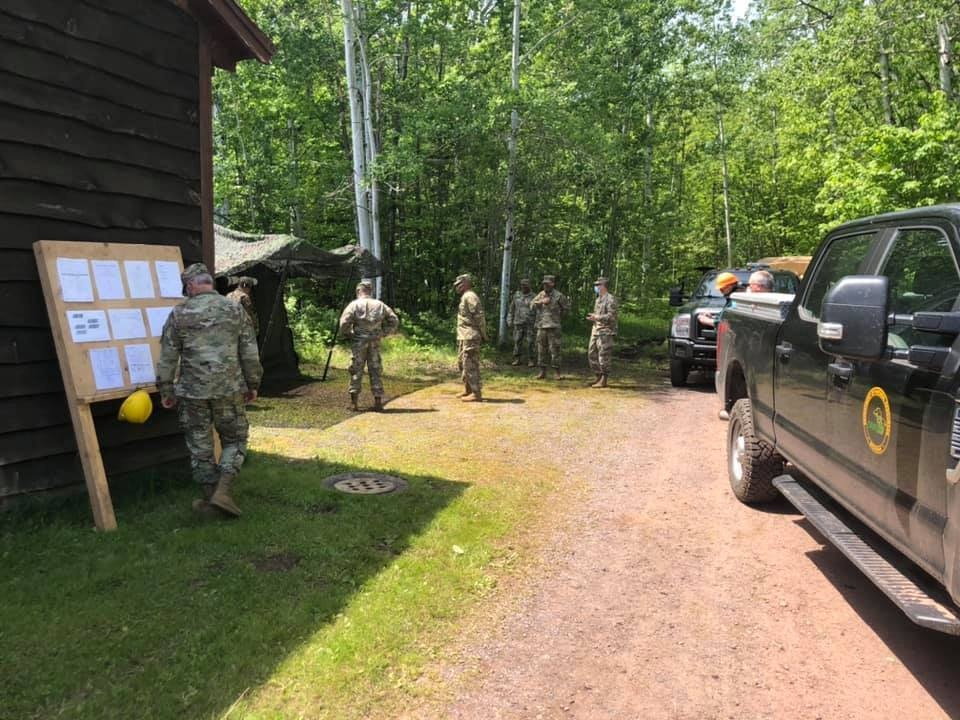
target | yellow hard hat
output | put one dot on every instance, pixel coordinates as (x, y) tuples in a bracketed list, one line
[(726, 281), (136, 408)]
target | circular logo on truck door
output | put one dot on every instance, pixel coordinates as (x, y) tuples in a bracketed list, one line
[(877, 420)]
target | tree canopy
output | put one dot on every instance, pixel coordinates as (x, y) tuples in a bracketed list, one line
[(652, 132)]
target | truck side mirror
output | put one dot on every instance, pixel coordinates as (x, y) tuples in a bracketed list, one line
[(676, 296), (853, 318)]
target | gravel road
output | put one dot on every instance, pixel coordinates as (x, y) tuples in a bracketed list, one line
[(666, 598)]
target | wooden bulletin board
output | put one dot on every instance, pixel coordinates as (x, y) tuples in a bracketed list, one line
[(107, 303)]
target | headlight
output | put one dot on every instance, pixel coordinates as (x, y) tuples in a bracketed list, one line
[(681, 326)]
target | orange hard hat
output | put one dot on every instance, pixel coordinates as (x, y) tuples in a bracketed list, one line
[(726, 281)]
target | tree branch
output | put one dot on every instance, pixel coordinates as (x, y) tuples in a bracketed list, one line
[(811, 6), (536, 46)]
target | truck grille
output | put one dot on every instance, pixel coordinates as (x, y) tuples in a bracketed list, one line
[(955, 435)]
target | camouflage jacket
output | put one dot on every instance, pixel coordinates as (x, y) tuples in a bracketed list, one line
[(366, 318), (521, 313), (212, 341), (471, 323), (246, 302), (605, 314), (550, 307)]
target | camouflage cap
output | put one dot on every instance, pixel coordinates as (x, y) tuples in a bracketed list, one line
[(601, 281), (552, 279), (365, 285), (465, 277), (192, 271), (525, 281)]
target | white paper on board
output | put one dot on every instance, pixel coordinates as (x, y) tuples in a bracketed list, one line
[(88, 325), (74, 274), (139, 278), (127, 324), (105, 363), (157, 316), (168, 274), (140, 364), (106, 274)]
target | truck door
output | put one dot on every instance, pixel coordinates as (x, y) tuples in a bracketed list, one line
[(890, 420), (800, 367)]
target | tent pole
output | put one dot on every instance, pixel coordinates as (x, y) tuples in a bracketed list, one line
[(336, 330)]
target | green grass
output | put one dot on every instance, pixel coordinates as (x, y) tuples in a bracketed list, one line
[(314, 604)]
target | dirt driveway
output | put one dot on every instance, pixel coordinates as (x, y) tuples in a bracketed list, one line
[(666, 598)]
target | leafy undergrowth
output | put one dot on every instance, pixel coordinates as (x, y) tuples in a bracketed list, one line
[(315, 604)]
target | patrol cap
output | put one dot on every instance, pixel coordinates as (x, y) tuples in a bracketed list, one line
[(365, 285), (550, 279), (525, 281), (601, 281), (192, 271), (465, 277)]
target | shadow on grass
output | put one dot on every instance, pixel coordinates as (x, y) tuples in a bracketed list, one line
[(175, 617)]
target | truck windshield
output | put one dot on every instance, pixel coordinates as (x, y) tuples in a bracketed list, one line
[(783, 282)]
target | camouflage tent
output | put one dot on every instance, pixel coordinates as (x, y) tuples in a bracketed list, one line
[(272, 260), (238, 252)]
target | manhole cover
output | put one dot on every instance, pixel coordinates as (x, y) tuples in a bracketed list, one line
[(362, 483)]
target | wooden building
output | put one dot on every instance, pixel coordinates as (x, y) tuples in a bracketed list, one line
[(105, 135)]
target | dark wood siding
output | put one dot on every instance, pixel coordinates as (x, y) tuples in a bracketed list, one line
[(99, 141)]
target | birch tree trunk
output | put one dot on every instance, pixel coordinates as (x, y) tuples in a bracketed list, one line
[(726, 190), (945, 59), (885, 85), (372, 152), (356, 128), (511, 180)]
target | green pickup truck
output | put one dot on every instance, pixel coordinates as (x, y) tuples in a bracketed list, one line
[(845, 399)]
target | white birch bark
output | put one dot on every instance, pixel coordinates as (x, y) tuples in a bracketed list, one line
[(356, 128), (511, 180)]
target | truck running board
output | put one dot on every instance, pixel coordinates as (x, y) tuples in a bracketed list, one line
[(887, 570)]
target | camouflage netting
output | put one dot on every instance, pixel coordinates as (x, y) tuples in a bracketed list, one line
[(238, 252)]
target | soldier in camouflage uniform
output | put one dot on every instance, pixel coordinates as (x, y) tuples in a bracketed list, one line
[(367, 320), (604, 319), (550, 306), (211, 340), (521, 318), (243, 295), (471, 332)]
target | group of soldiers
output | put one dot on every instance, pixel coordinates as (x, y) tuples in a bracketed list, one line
[(209, 366)]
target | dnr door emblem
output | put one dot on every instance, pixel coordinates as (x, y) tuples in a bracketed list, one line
[(877, 420)]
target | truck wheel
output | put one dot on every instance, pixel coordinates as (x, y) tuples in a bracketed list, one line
[(678, 372), (751, 462)]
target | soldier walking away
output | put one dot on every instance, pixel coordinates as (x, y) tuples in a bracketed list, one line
[(212, 342), (366, 321), (471, 332), (521, 318), (243, 296), (550, 306), (604, 319)]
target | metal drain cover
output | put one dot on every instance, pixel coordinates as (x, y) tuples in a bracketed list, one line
[(365, 483)]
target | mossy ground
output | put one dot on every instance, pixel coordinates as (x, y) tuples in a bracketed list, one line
[(314, 604)]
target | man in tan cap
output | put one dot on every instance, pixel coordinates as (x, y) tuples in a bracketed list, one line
[(209, 366), (243, 296), (471, 332), (550, 306), (366, 320), (604, 319)]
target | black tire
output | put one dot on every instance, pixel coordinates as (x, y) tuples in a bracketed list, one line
[(678, 372), (752, 464)]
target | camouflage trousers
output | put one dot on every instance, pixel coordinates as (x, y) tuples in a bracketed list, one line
[(366, 351), (468, 361), (524, 338), (600, 353), (548, 344), (198, 418)]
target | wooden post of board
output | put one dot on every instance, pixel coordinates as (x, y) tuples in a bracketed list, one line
[(133, 348)]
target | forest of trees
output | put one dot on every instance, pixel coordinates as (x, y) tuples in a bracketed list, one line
[(655, 136)]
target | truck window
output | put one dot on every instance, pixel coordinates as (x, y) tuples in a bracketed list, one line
[(843, 257), (923, 277)]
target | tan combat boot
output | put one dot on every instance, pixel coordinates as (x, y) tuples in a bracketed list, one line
[(601, 381), (516, 361), (466, 391), (556, 373), (353, 402), (531, 363), (202, 505), (541, 375), (472, 397), (595, 380), (221, 497), (378, 404)]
